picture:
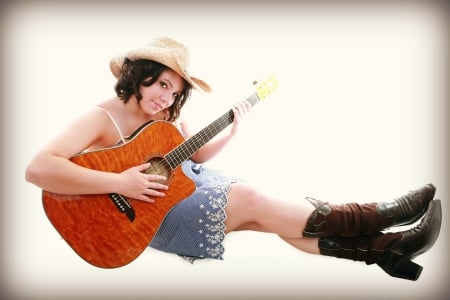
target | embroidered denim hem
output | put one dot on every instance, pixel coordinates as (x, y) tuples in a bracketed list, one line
[(195, 228)]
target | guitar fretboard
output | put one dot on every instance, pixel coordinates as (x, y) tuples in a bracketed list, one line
[(190, 146), (184, 151)]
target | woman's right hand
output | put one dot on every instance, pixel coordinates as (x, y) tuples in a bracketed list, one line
[(136, 184)]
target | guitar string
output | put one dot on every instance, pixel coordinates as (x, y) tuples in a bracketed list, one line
[(180, 153), (177, 155)]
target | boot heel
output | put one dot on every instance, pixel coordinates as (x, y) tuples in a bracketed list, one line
[(405, 269), (408, 270)]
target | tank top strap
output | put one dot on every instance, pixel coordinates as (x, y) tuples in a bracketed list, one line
[(122, 137)]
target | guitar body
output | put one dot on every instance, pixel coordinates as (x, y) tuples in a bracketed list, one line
[(109, 230), (94, 226)]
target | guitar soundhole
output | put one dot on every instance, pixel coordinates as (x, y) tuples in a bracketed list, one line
[(159, 166)]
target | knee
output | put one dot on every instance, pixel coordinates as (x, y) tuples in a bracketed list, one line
[(246, 196), (243, 209)]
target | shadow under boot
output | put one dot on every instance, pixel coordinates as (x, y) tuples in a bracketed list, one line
[(393, 252), (354, 219)]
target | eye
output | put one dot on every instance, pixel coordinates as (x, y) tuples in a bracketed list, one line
[(163, 84), (175, 95)]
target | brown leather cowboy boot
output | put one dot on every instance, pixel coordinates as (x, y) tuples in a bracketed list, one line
[(391, 251), (353, 219)]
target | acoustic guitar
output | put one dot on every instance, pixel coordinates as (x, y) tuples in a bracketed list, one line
[(110, 230)]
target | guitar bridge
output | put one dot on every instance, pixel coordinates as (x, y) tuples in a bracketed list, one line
[(122, 205)]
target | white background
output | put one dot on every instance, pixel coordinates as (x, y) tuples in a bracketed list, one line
[(360, 115)]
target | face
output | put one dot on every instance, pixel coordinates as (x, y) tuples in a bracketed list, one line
[(162, 93)]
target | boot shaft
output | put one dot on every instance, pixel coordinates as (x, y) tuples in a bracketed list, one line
[(368, 249), (353, 219), (348, 220)]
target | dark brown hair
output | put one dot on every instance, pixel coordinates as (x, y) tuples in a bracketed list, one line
[(134, 75)]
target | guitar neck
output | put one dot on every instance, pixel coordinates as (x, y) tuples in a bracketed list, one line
[(191, 145)]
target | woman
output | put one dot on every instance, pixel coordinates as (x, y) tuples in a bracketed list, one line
[(153, 84)]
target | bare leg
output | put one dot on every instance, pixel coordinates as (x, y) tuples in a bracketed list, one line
[(249, 209), (310, 245)]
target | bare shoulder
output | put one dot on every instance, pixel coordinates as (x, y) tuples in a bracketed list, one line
[(89, 129), (94, 117)]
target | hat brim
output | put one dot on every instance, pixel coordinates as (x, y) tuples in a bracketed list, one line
[(158, 55)]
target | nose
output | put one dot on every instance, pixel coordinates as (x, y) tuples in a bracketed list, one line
[(168, 98)]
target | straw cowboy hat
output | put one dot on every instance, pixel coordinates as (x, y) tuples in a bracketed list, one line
[(166, 51)]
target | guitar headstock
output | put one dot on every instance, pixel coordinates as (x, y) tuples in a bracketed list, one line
[(266, 87)]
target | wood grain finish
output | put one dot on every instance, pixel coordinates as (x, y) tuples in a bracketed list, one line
[(93, 226)]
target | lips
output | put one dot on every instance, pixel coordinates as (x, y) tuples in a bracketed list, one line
[(157, 106)]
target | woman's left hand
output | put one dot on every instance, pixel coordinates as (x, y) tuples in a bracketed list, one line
[(241, 109)]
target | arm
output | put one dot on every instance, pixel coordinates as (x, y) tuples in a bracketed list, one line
[(52, 170), (213, 147)]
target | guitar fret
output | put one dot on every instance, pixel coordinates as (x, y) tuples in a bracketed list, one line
[(190, 146)]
